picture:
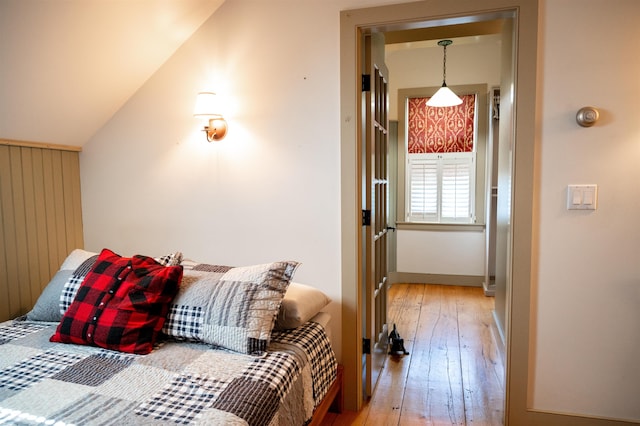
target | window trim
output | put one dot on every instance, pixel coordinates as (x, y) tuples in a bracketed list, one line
[(481, 144)]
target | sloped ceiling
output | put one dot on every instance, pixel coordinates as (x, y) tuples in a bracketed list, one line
[(67, 66)]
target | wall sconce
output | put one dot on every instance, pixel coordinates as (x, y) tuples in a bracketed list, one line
[(207, 107)]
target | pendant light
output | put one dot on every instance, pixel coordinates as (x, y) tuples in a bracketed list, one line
[(444, 97)]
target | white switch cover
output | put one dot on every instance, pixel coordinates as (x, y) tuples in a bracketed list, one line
[(582, 197)]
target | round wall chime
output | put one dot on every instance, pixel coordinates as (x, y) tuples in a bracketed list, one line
[(587, 116)]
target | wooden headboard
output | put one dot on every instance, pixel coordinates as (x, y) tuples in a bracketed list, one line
[(40, 218)]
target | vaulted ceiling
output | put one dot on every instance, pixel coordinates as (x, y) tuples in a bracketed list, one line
[(67, 66)]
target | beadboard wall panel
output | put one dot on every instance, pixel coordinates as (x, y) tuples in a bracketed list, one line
[(40, 220)]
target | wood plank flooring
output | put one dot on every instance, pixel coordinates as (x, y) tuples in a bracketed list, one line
[(454, 373)]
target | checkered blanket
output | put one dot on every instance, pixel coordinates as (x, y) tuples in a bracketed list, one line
[(179, 382)]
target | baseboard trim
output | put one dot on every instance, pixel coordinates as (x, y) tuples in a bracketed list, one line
[(489, 289), (416, 278)]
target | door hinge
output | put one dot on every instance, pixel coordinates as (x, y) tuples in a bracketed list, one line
[(366, 346), (366, 217), (366, 82)]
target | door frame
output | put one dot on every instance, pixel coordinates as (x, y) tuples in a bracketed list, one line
[(353, 23)]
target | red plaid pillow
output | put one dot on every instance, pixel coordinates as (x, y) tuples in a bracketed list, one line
[(121, 305)]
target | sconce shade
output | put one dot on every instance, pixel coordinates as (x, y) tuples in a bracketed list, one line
[(444, 97), (207, 107)]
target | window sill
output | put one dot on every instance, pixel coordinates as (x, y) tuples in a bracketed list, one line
[(456, 227)]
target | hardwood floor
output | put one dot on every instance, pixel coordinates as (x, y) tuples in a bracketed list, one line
[(454, 373)]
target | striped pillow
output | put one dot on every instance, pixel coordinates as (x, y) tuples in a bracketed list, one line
[(229, 307)]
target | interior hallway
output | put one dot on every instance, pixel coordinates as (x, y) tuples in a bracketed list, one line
[(453, 375)]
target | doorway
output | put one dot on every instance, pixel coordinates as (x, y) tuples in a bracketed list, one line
[(451, 251), (413, 16)]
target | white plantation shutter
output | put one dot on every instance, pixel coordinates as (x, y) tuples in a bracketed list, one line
[(423, 184), (441, 187), (456, 189)]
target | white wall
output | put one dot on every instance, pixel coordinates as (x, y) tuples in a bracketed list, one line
[(271, 189), (445, 253), (468, 62), (588, 285)]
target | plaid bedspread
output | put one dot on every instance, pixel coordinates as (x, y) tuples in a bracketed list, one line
[(179, 382)]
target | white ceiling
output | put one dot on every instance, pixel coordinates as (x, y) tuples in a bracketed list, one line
[(67, 66)]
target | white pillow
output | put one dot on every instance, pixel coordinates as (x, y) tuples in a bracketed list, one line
[(75, 259), (300, 303)]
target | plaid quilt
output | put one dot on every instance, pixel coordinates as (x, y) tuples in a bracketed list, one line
[(177, 383)]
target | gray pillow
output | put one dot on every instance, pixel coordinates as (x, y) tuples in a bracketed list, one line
[(47, 308)]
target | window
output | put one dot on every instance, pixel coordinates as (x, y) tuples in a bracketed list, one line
[(441, 162)]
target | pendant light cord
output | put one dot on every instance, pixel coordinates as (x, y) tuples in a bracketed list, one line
[(444, 67), (444, 44)]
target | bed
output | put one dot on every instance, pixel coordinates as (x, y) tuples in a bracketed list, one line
[(140, 340)]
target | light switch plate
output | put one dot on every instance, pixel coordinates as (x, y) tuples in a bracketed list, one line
[(582, 197)]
